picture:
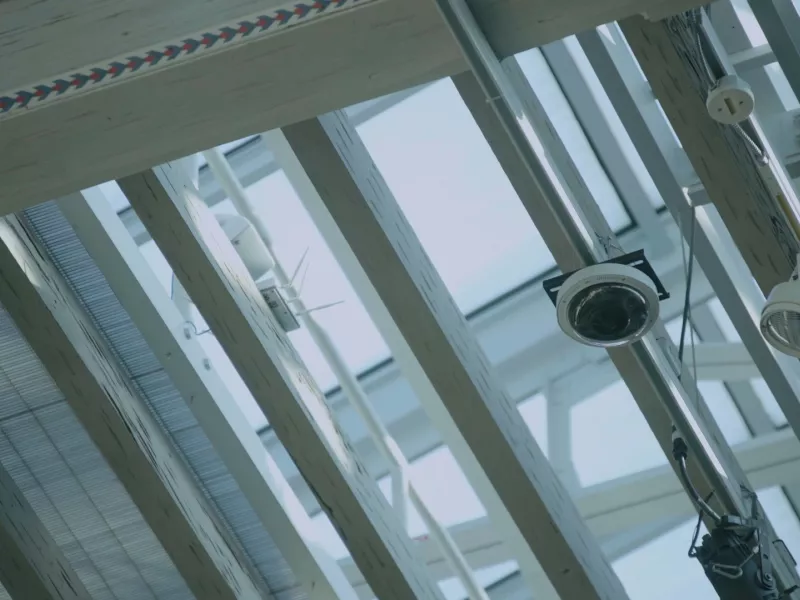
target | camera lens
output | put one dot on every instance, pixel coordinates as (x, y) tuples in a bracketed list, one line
[(608, 313)]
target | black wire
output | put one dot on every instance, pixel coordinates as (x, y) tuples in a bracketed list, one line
[(687, 299), (696, 534), (194, 329), (701, 504)]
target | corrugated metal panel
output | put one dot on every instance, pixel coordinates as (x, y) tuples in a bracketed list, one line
[(68, 483), (165, 401)]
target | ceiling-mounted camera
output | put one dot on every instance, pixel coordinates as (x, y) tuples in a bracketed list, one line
[(736, 553), (613, 303)]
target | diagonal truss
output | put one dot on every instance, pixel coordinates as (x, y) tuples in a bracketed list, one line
[(117, 419), (210, 270)]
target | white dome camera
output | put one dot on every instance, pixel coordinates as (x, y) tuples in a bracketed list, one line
[(609, 304), (780, 318), (249, 245)]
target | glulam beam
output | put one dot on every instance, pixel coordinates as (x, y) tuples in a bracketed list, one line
[(155, 81), (212, 273), (117, 419)]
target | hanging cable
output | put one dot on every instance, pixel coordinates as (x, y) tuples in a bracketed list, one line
[(688, 266)]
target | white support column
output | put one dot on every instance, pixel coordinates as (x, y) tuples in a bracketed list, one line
[(164, 328), (117, 419), (31, 564), (213, 274), (484, 429), (559, 436)]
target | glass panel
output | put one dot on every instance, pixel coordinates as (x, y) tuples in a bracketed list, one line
[(724, 321), (610, 437), (568, 128), (768, 401), (661, 569), (444, 488), (114, 195), (456, 196), (724, 411), (716, 395), (440, 483)]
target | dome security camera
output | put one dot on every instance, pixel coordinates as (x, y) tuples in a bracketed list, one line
[(780, 318), (609, 304)]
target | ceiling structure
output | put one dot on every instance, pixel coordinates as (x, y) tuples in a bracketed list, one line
[(162, 436)]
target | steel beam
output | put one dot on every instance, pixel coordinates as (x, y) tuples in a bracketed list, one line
[(164, 328), (117, 419), (211, 271), (172, 66), (31, 564), (364, 210)]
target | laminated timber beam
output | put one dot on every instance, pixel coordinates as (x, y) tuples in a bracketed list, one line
[(117, 419), (752, 211), (211, 271), (31, 564), (151, 81), (363, 208), (104, 236)]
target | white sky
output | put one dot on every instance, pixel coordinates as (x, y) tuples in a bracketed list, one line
[(472, 225)]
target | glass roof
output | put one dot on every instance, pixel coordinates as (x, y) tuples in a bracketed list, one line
[(470, 221)]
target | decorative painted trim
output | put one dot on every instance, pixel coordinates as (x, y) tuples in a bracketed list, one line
[(148, 60)]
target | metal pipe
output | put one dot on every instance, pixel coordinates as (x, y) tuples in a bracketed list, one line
[(351, 387)]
